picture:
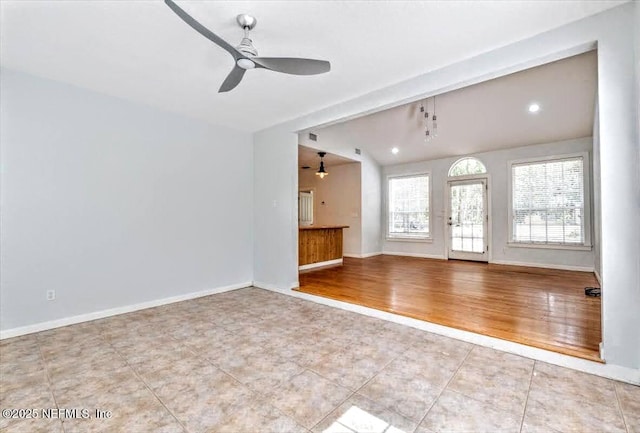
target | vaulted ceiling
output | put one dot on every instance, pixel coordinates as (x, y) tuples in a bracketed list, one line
[(140, 51), (491, 115)]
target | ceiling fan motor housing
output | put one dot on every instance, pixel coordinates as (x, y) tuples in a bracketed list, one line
[(246, 47)]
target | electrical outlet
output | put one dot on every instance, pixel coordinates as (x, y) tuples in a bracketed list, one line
[(51, 295)]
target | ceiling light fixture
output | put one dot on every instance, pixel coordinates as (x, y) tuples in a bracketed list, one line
[(395, 150), (321, 171), (246, 63), (534, 108)]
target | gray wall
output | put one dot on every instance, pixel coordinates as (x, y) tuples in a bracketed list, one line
[(620, 180), (275, 209), (371, 206), (614, 32), (597, 202), (497, 164), (110, 203)]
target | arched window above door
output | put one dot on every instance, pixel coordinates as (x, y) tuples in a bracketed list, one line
[(467, 166)]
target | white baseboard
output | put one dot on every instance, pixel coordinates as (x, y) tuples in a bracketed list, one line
[(275, 288), (615, 372), (362, 256), (543, 265), (320, 264), (597, 274), (365, 255), (66, 321), (420, 255)]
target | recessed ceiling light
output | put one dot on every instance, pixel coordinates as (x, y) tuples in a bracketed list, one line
[(534, 108), (395, 150)]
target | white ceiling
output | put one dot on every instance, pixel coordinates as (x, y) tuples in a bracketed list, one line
[(487, 116), (309, 157), (141, 51)]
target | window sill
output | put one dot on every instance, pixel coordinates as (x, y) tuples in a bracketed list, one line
[(550, 246), (408, 239)]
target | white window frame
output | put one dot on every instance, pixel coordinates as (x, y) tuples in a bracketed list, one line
[(586, 184), (406, 238), (470, 175)]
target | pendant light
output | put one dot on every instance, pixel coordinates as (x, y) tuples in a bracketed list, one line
[(430, 121), (434, 119), (427, 132), (321, 171)]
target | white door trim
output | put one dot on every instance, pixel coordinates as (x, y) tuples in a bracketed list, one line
[(486, 180)]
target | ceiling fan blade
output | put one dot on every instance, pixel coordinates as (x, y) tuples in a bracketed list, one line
[(203, 30), (232, 80), (292, 65)]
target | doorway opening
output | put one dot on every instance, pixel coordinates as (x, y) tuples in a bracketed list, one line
[(472, 210), (305, 207)]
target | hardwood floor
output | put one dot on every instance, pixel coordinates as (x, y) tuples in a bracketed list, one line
[(543, 308)]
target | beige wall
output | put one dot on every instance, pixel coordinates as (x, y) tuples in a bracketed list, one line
[(337, 201)]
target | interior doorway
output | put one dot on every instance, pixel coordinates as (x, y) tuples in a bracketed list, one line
[(305, 207)]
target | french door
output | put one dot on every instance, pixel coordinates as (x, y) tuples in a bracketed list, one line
[(468, 220)]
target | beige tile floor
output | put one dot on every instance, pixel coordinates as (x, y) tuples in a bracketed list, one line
[(255, 361)]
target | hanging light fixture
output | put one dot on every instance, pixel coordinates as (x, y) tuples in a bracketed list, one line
[(434, 119), (430, 122), (427, 133), (321, 171)]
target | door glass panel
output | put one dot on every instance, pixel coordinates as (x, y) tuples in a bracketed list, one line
[(467, 218)]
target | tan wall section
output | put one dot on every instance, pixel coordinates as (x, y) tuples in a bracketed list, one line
[(340, 192)]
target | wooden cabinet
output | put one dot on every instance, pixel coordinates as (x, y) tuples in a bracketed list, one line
[(319, 244)]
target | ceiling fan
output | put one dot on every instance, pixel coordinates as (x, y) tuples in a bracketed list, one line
[(246, 56)]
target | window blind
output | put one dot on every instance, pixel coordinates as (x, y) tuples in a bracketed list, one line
[(409, 206), (548, 202)]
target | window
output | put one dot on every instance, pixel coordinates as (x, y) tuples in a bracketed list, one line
[(408, 201), (466, 167), (548, 202)]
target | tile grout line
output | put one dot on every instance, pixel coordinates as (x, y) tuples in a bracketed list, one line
[(46, 372), (367, 381), (484, 402), (444, 388), (146, 385), (624, 421), (526, 402), (255, 393), (352, 393), (205, 359), (358, 389)]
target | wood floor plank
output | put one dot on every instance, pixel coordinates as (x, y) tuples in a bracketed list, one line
[(543, 308)]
